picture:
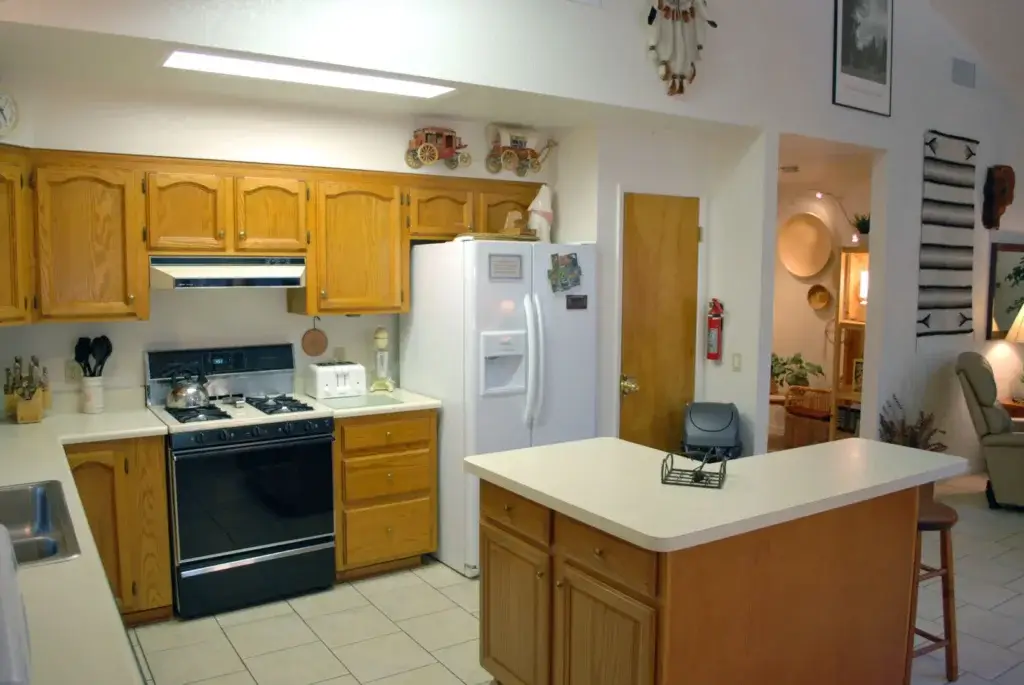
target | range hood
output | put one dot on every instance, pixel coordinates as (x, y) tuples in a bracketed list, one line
[(172, 273)]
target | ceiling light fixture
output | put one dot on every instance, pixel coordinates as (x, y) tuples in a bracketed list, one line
[(271, 71), (818, 195)]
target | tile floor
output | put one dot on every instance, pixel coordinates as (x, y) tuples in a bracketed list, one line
[(421, 627), (416, 627)]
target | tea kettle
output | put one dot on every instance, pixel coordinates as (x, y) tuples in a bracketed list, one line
[(188, 391)]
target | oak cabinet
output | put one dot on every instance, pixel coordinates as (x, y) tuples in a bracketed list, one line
[(439, 213), (92, 260), (495, 203), (187, 211), (270, 215), (16, 289), (123, 488), (515, 630), (603, 637)]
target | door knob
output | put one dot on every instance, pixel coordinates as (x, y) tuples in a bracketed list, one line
[(627, 385)]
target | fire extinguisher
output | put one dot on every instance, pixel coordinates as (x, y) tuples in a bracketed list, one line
[(716, 316)]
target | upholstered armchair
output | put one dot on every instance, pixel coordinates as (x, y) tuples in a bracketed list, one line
[(1002, 449)]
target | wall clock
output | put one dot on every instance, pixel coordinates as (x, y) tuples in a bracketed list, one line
[(8, 114)]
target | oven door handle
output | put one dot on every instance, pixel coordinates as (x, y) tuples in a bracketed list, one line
[(180, 455)]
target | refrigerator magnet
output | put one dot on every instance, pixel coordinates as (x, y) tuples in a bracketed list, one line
[(565, 272)]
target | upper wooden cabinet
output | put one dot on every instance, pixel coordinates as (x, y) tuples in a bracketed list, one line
[(439, 213), (186, 212), (270, 215), (92, 261), (494, 205), (15, 245), (362, 263)]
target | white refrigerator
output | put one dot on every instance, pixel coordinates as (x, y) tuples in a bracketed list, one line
[(504, 333)]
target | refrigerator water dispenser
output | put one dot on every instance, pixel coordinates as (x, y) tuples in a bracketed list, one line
[(503, 362)]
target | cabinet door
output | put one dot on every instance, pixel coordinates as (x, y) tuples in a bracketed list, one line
[(602, 637), (515, 619), (149, 548), (101, 473), (495, 205), (92, 263), (15, 252), (438, 213), (271, 215), (362, 247), (187, 211)]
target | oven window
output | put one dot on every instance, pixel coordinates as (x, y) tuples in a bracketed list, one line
[(252, 496)]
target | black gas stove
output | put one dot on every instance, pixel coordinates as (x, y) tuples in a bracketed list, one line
[(277, 404), (198, 414)]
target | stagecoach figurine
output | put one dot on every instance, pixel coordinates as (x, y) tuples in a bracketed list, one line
[(431, 144), (676, 40), (517, 150)]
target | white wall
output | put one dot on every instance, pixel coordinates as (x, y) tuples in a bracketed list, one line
[(575, 186)]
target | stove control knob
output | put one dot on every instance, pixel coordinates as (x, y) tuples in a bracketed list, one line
[(308, 426), (288, 428), (200, 438), (223, 434), (256, 431)]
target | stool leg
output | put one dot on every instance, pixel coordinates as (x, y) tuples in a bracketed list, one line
[(949, 604), (913, 609)]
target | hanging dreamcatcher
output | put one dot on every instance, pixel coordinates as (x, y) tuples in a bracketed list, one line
[(677, 32)]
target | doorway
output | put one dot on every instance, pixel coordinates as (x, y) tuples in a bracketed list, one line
[(660, 241)]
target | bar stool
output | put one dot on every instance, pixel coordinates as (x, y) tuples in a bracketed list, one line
[(935, 517)]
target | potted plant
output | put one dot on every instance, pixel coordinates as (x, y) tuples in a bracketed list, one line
[(792, 371), (894, 428)]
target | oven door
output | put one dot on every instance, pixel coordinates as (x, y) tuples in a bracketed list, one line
[(240, 498)]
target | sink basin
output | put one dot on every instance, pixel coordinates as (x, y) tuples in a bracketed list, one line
[(36, 516)]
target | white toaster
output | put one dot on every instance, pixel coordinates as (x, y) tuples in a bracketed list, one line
[(329, 380)]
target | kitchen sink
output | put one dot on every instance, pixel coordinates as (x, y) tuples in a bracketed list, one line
[(36, 516)]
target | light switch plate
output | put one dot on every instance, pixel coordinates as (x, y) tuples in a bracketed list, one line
[(72, 371), (737, 362)]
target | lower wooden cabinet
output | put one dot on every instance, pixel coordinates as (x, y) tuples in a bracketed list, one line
[(385, 490), (123, 488), (515, 627)]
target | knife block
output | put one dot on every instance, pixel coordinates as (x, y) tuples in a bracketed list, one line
[(30, 411), (10, 405)]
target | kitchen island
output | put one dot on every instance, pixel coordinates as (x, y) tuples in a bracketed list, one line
[(799, 571)]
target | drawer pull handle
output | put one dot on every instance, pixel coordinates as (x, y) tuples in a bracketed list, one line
[(540, 574), (389, 530), (391, 476), (387, 435), (559, 583), (508, 508), (598, 552)]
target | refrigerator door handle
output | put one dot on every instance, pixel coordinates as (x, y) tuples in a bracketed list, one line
[(531, 359), (538, 393)]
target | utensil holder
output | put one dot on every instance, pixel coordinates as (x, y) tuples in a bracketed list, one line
[(29, 411), (10, 405), (92, 395)]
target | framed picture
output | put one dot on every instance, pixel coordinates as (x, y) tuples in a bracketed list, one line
[(862, 55), (858, 374)]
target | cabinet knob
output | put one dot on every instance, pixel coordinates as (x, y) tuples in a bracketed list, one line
[(323, 294), (220, 235), (389, 530), (391, 476), (508, 508), (598, 552), (131, 299), (241, 234), (540, 574), (559, 583), (135, 589), (387, 435)]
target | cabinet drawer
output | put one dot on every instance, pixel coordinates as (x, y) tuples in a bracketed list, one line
[(609, 556), (385, 432), (389, 474), (515, 512), (388, 531)]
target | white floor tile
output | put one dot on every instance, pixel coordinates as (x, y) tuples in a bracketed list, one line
[(243, 678), (383, 656), (431, 675), (303, 665), (984, 660), (986, 570), (984, 595), (338, 598), (965, 544), (1015, 676), (251, 614), (387, 583), (994, 628), (464, 661), (439, 575), (407, 602), (466, 595), (171, 634), (931, 672), (929, 602), (1013, 607), (194, 662), (343, 680), (269, 635), (140, 657), (354, 625), (442, 629)]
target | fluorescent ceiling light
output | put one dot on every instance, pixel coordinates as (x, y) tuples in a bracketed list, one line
[(234, 66)]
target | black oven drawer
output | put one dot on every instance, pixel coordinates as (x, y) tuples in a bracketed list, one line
[(234, 499)]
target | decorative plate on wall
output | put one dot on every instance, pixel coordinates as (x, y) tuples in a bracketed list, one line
[(805, 245), (818, 297)]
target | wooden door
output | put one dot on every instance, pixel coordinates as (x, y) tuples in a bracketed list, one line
[(515, 631), (92, 261), (149, 548), (15, 252), (439, 213), (101, 471), (187, 211), (602, 637), (271, 215), (363, 247), (494, 206), (660, 236)]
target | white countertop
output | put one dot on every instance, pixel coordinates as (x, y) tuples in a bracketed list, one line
[(76, 633), (615, 486)]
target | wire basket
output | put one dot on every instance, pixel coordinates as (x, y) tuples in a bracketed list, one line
[(693, 478)]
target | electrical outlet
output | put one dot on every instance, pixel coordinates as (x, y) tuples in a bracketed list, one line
[(72, 371), (737, 362)]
